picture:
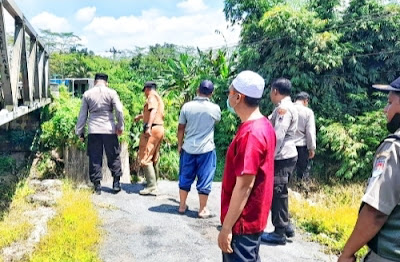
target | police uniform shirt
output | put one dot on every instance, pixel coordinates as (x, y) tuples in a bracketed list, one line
[(284, 119), (99, 103), (305, 134), (383, 194)]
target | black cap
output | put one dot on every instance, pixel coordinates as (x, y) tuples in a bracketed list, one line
[(394, 86), (206, 87), (149, 84), (101, 76)]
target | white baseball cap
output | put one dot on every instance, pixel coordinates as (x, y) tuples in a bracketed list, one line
[(249, 84)]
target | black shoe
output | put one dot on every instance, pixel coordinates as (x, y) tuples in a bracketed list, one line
[(273, 238), (116, 185), (289, 231), (97, 188)]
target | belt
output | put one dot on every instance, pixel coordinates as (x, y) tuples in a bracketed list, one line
[(145, 126)]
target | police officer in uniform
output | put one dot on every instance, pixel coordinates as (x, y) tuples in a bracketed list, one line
[(284, 119), (152, 136), (378, 223), (98, 104), (305, 138)]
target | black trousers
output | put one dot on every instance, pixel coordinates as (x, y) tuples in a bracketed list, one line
[(280, 204), (303, 165), (245, 249), (96, 144)]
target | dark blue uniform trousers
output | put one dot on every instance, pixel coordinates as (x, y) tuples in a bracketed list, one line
[(96, 144)]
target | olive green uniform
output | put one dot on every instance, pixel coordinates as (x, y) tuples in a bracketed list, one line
[(383, 194)]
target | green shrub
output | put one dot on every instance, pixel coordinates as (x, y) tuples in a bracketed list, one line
[(7, 165), (352, 144)]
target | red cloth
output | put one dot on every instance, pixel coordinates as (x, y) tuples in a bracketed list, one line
[(251, 152)]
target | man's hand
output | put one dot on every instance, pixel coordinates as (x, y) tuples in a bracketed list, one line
[(224, 240), (179, 149), (148, 132), (311, 154), (344, 258), (138, 117), (118, 132)]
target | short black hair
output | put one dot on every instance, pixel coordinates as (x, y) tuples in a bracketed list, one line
[(101, 76), (283, 85), (303, 96), (250, 101)]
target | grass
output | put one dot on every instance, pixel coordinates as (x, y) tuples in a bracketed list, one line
[(14, 225), (329, 214), (74, 233)]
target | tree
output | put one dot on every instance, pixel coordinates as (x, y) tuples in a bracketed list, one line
[(247, 11), (60, 42)]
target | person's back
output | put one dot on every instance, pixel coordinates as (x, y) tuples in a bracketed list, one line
[(305, 138), (201, 116), (196, 147), (305, 133), (101, 101)]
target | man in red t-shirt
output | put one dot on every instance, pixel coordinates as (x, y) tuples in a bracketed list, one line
[(248, 180)]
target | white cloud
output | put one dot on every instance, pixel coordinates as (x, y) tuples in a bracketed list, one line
[(85, 14), (192, 6), (151, 27), (51, 22)]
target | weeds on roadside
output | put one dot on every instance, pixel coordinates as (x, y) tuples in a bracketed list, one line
[(329, 214), (73, 234), (15, 225)]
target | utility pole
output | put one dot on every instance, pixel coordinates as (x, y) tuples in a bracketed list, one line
[(114, 52)]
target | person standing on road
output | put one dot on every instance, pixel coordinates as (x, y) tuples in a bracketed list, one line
[(248, 179), (305, 138), (99, 103), (152, 136), (196, 146), (378, 223), (284, 119)]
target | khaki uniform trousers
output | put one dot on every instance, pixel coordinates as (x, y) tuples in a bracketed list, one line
[(149, 147)]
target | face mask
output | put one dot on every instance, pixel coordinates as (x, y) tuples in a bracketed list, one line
[(394, 124), (230, 109)]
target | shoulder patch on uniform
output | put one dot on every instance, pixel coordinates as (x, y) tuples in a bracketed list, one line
[(282, 111), (379, 166), (384, 154)]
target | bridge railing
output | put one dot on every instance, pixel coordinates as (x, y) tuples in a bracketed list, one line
[(29, 65)]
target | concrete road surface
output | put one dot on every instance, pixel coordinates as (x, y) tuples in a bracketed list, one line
[(149, 229)]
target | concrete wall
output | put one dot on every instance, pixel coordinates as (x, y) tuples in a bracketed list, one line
[(76, 164), (18, 135)]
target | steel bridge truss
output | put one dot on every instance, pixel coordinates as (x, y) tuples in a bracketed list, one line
[(31, 67)]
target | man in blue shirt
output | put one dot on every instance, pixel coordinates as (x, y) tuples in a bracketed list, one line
[(197, 150)]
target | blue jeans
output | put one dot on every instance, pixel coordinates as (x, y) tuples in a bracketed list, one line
[(201, 165), (245, 249)]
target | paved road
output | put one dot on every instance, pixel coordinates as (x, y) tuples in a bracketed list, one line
[(148, 229)]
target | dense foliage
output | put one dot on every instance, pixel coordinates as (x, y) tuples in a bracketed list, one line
[(331, 51), (335, 54)]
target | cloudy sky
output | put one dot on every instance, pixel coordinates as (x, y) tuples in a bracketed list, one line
[(124, 24)]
